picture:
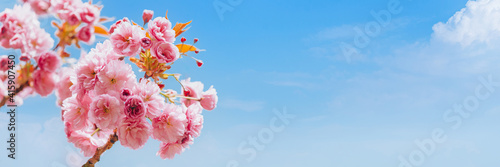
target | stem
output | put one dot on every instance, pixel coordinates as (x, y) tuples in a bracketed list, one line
[(178, 81), (185, 97), (96, 130), (97, 156), (6, 98)]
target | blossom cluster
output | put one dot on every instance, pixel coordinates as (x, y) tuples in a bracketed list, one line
[(77, 14), (39, 70), (21, 30), (102, 95)]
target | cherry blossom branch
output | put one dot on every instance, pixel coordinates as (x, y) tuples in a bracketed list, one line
[(6, 98), (97, 156)]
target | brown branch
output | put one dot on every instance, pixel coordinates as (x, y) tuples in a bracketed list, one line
[(6, 98), (97, 156)]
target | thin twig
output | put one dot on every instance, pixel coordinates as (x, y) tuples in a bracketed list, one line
[(6, 98), (97, 156)]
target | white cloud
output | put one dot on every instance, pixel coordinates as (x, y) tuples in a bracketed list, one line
[(39, 144), (479, 21)]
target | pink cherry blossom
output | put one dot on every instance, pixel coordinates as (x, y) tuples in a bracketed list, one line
[(4, 63), (134, 133), (83, 141), (125, 93), (161, 30), (17, 41), (105, 51), (75, 113), (209, 99), (87, 69), (195, 120), (146, 43), (87, 142), (21, 30), (86, 34), (63, 86), (168, 150), (74, 18), (68, 129), (115, 76), (3, 90), (49, 61), (41, 7), (37, 41), (170, 125), (44, 82), (105, 111), (100, 137), (115, 25), (63, 8), (147, 15), (135, 108), (126, 39), (165, 52), (89, 13), (191, 89), (150, 94)]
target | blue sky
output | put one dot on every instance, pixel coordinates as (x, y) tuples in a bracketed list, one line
[(367, 110)]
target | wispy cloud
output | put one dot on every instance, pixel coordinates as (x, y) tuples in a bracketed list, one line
[(39, 144)]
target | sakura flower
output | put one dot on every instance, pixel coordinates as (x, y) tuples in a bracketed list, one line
[(147, 15), (3, 90), (17, 41), (161, 30), (68, 129), (209, 99), (75, 113), (87, 70), (146, 43), (4, 63), (115, 76), (49, 61), (105, 111), (41, 7), (114, 26), (87, 142), (44, 82), (89, 13), (83, 141), (21, 30), (171, 125), (134, 108), (125, 94), (134, 133), (126, 39), (74, 18), (63, 8), (105, 50), (195, 120), (100, 137), (85, 34), (191, 89), (63, 86), (37, 41), (150, 94), (165, 52), (168, 150)]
